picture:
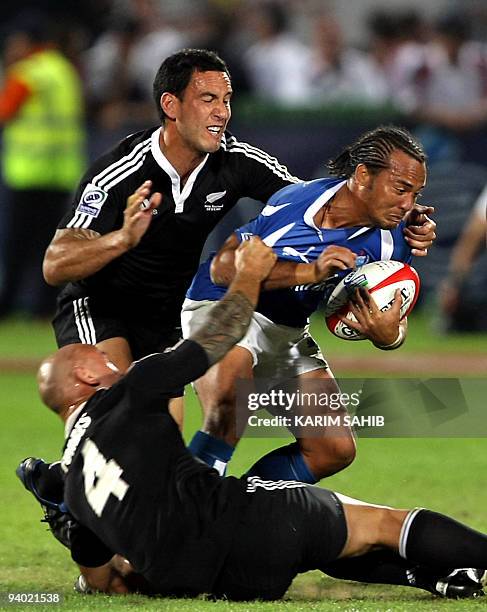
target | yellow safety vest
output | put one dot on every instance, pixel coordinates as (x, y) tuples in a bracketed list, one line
[(44, 144)]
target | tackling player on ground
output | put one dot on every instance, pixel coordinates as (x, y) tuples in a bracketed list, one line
[(134, 489)]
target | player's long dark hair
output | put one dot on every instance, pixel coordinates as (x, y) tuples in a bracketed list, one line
[(175, 72), (373, 149)]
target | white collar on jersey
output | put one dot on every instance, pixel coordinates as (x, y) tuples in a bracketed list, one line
[(71, 420), (318, 204), (179, 196)]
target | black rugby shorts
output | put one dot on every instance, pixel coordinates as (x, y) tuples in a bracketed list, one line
[(90, 320), (283, 532)]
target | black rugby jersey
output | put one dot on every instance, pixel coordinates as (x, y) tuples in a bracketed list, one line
[(162, 265), (131, 481)]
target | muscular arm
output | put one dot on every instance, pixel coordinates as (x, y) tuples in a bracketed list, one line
[(77, 253), (284, 273)]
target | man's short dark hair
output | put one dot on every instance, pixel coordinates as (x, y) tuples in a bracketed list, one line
[(373, 149), (175, 72)]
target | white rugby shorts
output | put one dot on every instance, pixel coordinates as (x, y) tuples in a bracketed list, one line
[(279, 352)]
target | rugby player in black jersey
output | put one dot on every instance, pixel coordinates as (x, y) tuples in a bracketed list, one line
[(134, 489), (127, 269)]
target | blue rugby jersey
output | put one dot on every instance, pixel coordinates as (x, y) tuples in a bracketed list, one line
[(286, 224)]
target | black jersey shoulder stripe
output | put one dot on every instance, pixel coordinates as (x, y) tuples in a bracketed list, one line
[(231, 142), (281, 172), (111, 179), (77, 220), (83, 220), (129, 168), (233, 145), (102, 177)]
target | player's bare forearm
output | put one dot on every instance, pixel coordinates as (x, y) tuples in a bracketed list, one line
[(77, 253), (283, 274)]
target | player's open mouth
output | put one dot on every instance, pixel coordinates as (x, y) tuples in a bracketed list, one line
[(215, 130)]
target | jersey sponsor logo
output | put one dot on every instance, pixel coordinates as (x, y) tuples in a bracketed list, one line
[(92, 199), (269, 210), (287, 250), (246, 235), (211, 198)]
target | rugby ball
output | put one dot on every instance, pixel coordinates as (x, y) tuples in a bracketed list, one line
[(382, 279)]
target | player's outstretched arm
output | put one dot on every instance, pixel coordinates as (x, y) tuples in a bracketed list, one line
[(284, 273), (77, 253), (228, 320)]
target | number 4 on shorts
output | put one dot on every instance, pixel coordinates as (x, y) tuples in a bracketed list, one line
[(102, 477)]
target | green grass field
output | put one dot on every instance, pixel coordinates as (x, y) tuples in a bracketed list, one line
[(444, 474)]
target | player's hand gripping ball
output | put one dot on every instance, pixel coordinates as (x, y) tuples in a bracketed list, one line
[(382, 279)]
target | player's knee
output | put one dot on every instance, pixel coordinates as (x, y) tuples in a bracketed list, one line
[(337, 454), (343, 452), (384, 526)]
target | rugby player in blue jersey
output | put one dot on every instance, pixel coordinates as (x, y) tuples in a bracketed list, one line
[(319, 231)]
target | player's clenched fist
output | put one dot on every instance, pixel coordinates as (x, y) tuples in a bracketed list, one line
[(254, 258), (331, 260), (138, 213)]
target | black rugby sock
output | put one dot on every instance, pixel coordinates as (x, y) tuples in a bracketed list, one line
[(438, 541), (384, 567), (380, 566)]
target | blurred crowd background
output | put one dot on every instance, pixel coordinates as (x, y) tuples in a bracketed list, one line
[(308, 76)]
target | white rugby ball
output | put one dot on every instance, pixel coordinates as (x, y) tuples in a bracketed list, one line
[(382, 279)]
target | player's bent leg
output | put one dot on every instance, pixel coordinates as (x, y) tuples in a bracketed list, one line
[(328, 450), (388, 567), (118, 351), (427, 538), (215, 443), (217, 394)]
